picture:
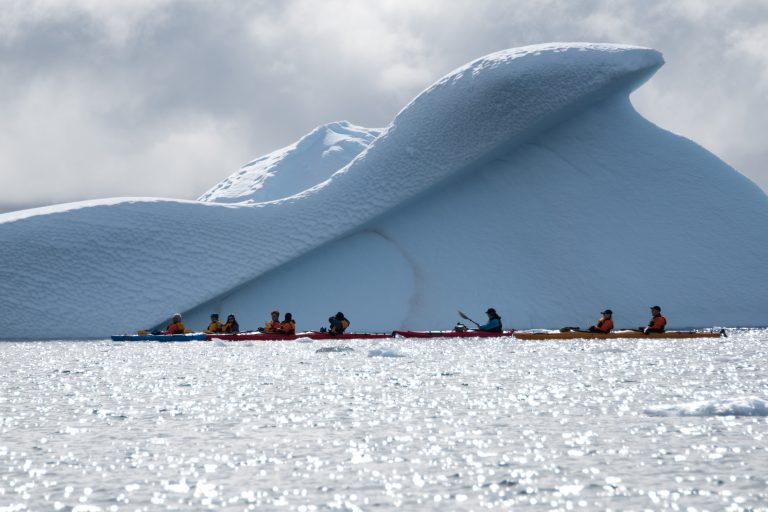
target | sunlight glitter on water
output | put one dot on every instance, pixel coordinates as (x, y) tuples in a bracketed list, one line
[(431, 424)]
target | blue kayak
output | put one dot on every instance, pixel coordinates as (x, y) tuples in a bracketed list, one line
[(195, 336)]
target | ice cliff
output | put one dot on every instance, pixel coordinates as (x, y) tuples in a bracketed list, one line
[(524, 180)]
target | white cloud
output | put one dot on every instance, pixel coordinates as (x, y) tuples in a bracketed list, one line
[(167, 97)]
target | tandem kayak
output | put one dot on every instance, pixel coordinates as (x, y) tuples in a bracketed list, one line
[(575, 335), (452, 334), (194, 336), (315, 335)]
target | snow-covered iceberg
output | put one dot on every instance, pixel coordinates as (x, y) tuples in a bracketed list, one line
[(524, 180)]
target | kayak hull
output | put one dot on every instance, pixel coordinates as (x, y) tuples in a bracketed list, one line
[(258, 336), (452, 334), (198, 336), (614, 335)]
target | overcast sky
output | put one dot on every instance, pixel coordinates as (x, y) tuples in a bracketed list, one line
[(167, 97)]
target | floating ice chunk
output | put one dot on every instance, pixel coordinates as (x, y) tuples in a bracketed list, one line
[(384, 352), (743, 406)]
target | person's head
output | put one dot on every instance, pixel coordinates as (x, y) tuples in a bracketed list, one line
[(491, 312), (231, 318), (214, 317), (177, 317), (339, 315), (655, 310), (607, 313), (288, 317), (275, 315)]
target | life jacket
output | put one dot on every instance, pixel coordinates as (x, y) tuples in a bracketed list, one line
[(658, 322), (343, 323), (214, 327), (272, 326), (175, 328), (605, 325), (288, 327)]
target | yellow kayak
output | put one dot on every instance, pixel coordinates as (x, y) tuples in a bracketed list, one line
[(575, 335)]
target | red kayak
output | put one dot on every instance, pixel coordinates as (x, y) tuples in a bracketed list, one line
[(315, 335), (452, 334)]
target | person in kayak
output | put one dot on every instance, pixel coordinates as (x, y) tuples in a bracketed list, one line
[(605, 324), (176, 326), (657, 323), (215, 325), (231, 326), (288, 326), (338, 323), (273, 325), (494, 322)]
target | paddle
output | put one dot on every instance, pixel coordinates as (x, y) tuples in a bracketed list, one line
[(465, 317)]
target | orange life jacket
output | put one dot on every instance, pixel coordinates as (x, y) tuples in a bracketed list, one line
[(658, 322), (175, 328), (604, 325), (272, 326), (288, 327)]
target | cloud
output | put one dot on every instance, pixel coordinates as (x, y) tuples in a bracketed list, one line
[(167, 97)]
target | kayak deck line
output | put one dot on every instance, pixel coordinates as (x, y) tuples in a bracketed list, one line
[(519, 335), (194, 336), (575, 335), (452, 334), (315, 335)]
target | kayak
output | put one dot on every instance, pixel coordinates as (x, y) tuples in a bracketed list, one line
[(315, 335), (194, 336), (452, 334), (578, 335)]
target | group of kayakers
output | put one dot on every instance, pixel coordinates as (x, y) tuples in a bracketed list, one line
[(605, 323), (338, 323)]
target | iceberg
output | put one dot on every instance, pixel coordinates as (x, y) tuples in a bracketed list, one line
[(524, 180)]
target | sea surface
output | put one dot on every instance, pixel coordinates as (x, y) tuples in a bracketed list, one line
[(439, 424)]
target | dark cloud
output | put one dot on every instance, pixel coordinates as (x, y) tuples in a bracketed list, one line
[(167, 97)]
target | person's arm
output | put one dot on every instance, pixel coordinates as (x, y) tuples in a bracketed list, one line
[(491, 325)]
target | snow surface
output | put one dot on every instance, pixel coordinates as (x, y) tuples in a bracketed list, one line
[(295, 168), (524, 180)]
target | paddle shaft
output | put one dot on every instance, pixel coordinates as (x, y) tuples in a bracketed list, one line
[(465, 317)]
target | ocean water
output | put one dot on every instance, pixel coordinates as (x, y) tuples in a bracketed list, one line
[(368, 425)]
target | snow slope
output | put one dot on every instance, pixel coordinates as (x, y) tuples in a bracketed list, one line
[(523, 180), (297, 167)]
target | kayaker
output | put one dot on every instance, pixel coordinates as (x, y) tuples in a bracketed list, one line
[(231, 326), (215, 326), (605, 324), (176, 326), (339, 323), (273, 325), (494, 322), (289, 325), (657, 323)]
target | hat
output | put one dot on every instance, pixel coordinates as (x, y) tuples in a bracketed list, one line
[(656, 307), (606, 312), (491, 310)]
